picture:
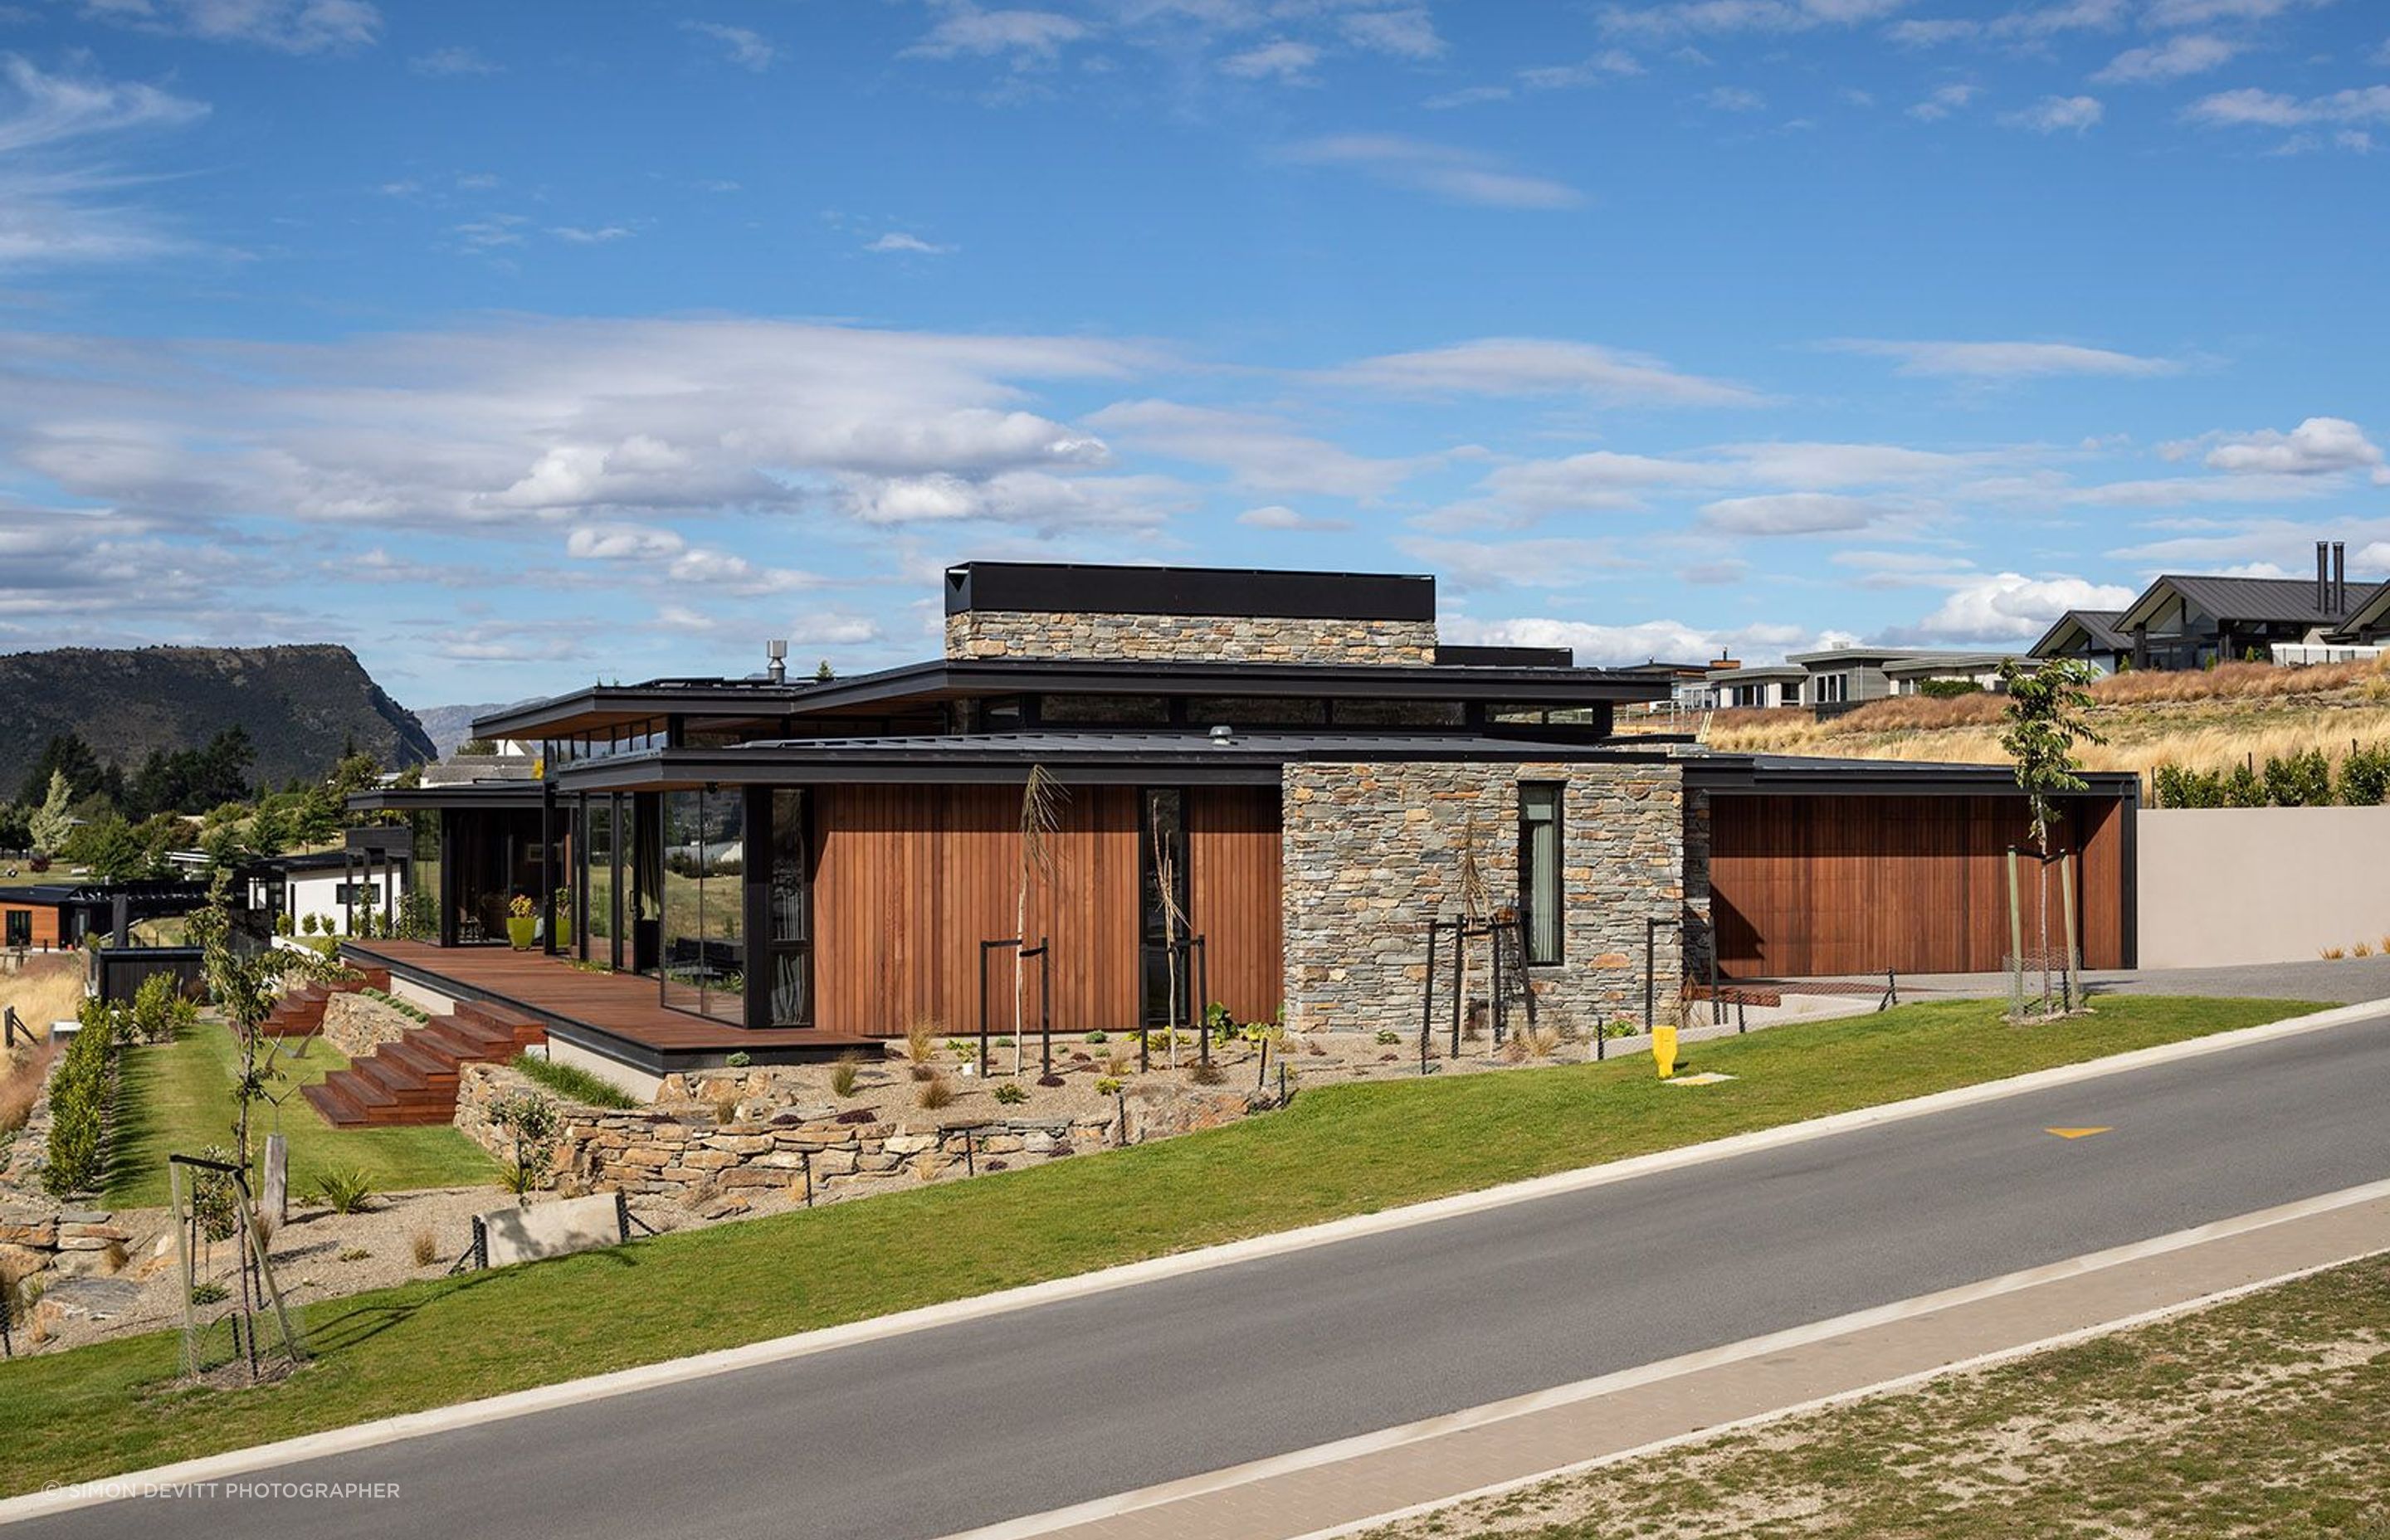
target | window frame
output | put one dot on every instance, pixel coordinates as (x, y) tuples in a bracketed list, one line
[(1530, 875)]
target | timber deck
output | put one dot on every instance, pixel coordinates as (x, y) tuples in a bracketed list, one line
[(618, 1015)]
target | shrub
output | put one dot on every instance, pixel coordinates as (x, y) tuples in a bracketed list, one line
[(2362, 949), (209, 1292), (739, 1060), (425, 1249), (344, 1191), (1093, 1038), (2242, 788), (153, 1015), (307, 925), (2302, 779), (572, 1082), (1107, 1086), (844, 1073), (2365, 776), (79, 1092), (921, 1040), (1011, 1094), (936, 1092), (215, 1199), (282, 924), (2333, 954), (1947, 689), (925, 1071), (1388, 1038)]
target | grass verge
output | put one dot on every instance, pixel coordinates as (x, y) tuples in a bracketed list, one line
[(1339, 1150), (571, 1081), (176, 1097), (2261, 1417)]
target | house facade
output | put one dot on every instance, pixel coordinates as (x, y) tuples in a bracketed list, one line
[(1254, 789)]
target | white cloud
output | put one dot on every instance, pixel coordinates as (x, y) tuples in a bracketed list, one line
[(1945, 100), (2007, 360), (1713, 16), (57, 207), (2199, 13), (1036, 500), (1609, 64), (1603, 480), (1285, 61), (1465, 565), (1538, 366), (2317, 446), (2026, 26), (2008, 608), (622, 543), (1796, 513), (740, 45), (1734, 98), (2190, 53), (1407, 32), (452, 61), (898, 241), (1457, 175), (1278, 516), (1263, 454), (1611, 646), (1025, 37), (2058, 115), (290, 26), (590, 235), (2250, 107), (573, 421), (702, 573)]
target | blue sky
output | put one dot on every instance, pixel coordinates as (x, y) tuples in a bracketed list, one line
[(521, 345)]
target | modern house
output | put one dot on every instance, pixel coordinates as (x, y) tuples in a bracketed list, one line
[(2189, 621), (50, 916), (1911, 672), (337, 888), (1758, 687), (1259, 788)]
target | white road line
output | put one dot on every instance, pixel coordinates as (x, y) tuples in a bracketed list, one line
[(574, 1392), (1756, 1347)]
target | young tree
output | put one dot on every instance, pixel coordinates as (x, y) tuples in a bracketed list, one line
[(245, 988), (1041, 820), (51, 823), (2045, 718)]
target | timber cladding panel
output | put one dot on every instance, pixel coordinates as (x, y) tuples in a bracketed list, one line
[(38, 923), (1234, 877), (1809, 886), (908, 881)]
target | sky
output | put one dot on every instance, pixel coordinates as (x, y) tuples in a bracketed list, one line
[(521, 346)]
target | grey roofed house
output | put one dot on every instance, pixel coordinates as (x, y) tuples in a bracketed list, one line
[(2091, 634), (2188, 621), (1846, 675), (1759, 684)]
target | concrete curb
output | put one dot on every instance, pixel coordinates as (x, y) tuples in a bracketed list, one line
[(516, 1403)]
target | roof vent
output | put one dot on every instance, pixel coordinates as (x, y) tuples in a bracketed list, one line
[(1222, 735), (777, 652)]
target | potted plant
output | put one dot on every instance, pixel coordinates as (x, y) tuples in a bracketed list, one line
[(563, 919), (522, 922)]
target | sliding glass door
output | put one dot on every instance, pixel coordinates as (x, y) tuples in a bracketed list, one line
[(703, 965)]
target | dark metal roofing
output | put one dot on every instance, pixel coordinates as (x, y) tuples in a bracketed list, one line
[(2287, 600), (2099, 626), (1449, 656), (1098, 757), (1804, 774), (470, 794), (1071, 587), (622, 703)]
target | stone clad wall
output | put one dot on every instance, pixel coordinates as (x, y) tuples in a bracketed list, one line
[(1373, 852), (357, 1024), (1190, 639)]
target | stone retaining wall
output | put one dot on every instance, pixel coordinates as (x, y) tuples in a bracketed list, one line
[(357, 1024), (1373, 852), (1191, 639), (735, 1130)]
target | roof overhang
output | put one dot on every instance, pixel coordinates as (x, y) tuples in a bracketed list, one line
[(605, 706), (1780, 775), (425, 799)]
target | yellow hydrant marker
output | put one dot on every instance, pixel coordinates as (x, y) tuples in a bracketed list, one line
[(2078, 1133)]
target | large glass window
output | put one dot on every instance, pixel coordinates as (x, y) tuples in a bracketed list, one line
[(600, 924), (1254, 710), (1163, 895), (704, 963), (1104, 711), (1540, 903), (792, 921)]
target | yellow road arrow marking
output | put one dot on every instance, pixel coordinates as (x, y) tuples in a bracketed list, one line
[(2078, 1133)]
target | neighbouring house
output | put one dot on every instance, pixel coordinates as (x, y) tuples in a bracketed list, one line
[(2092, 636), (2189, 621), (1840, 678), (1757, 686), (46, 917), (1909, 674), (1285, 766), (1688, 684), (337, 888)]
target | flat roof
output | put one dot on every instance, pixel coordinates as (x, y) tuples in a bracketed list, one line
[(465, 794), (1817, 775), (617, 705), (1751, 673), (1926, 662), (1088, 588)]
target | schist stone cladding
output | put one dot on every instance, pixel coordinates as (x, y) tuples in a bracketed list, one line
[(1374, 851)]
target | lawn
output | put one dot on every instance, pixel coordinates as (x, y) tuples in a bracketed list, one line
[(176, 1097), (1337, 1150), (2262, 1416)]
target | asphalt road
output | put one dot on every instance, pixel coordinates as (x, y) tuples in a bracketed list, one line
[(940, 1430)]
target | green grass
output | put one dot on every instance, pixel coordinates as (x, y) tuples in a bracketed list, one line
[(1337, 1150), (176, 1097), (570, 1080), (2262, 1416)]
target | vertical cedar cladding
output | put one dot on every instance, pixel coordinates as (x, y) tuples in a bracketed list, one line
[(1234, 842)]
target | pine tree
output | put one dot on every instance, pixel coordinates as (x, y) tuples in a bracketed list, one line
[(51, 823)]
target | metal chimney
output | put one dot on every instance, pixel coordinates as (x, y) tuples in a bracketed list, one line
[(2340, 577), (777, 652), (2323, 575)]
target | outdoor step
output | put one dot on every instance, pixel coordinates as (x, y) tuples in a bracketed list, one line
[(430, 1063), (338, 1109), (390, 1075), (462, 1043)]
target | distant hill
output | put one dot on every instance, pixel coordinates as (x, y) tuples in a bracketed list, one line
[(299, 705), (450, 725)]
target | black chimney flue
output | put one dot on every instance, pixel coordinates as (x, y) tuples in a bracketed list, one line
[(2323, 575), (2340, 577)]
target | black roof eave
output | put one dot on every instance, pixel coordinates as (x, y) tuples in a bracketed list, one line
[(946, 678), (613, 703), (417, 799), (1731, 774)]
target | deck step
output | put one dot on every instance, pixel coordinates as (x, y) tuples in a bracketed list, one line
[(414, 1079)]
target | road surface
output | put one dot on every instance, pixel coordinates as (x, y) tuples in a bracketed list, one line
[(940, 1431)]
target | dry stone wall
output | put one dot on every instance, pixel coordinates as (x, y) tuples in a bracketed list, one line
[(357, 1024), (1188, 639), (1374, 851)]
